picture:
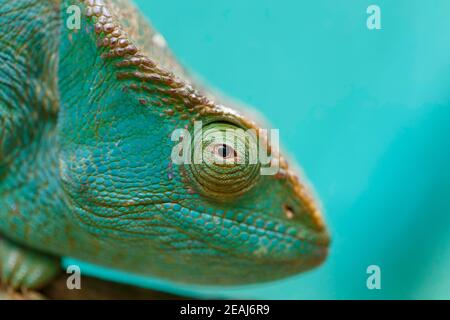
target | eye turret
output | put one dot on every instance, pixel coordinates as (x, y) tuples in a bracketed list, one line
[(224, 160)]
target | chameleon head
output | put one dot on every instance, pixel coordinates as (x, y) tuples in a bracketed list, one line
[(220, 216), (256, 218)]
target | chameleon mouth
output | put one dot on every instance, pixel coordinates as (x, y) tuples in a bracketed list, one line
[(259, 240), (291, 261)]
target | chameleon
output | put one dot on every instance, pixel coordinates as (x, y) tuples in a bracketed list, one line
[(87, 116)]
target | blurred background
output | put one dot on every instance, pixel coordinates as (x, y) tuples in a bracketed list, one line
[(365, 112)]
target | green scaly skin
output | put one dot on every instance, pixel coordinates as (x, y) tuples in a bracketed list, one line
[(86, 118)]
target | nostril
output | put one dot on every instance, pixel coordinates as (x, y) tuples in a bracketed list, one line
[(288, 211)]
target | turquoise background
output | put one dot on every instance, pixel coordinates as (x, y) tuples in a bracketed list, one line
[(365, 112)]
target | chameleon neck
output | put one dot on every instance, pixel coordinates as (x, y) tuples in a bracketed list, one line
[(33, 206)]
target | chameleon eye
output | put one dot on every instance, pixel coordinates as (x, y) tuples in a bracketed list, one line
[(225, 151), (224, 161)]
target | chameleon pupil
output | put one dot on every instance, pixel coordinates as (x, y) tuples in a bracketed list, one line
[(224, 151)]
